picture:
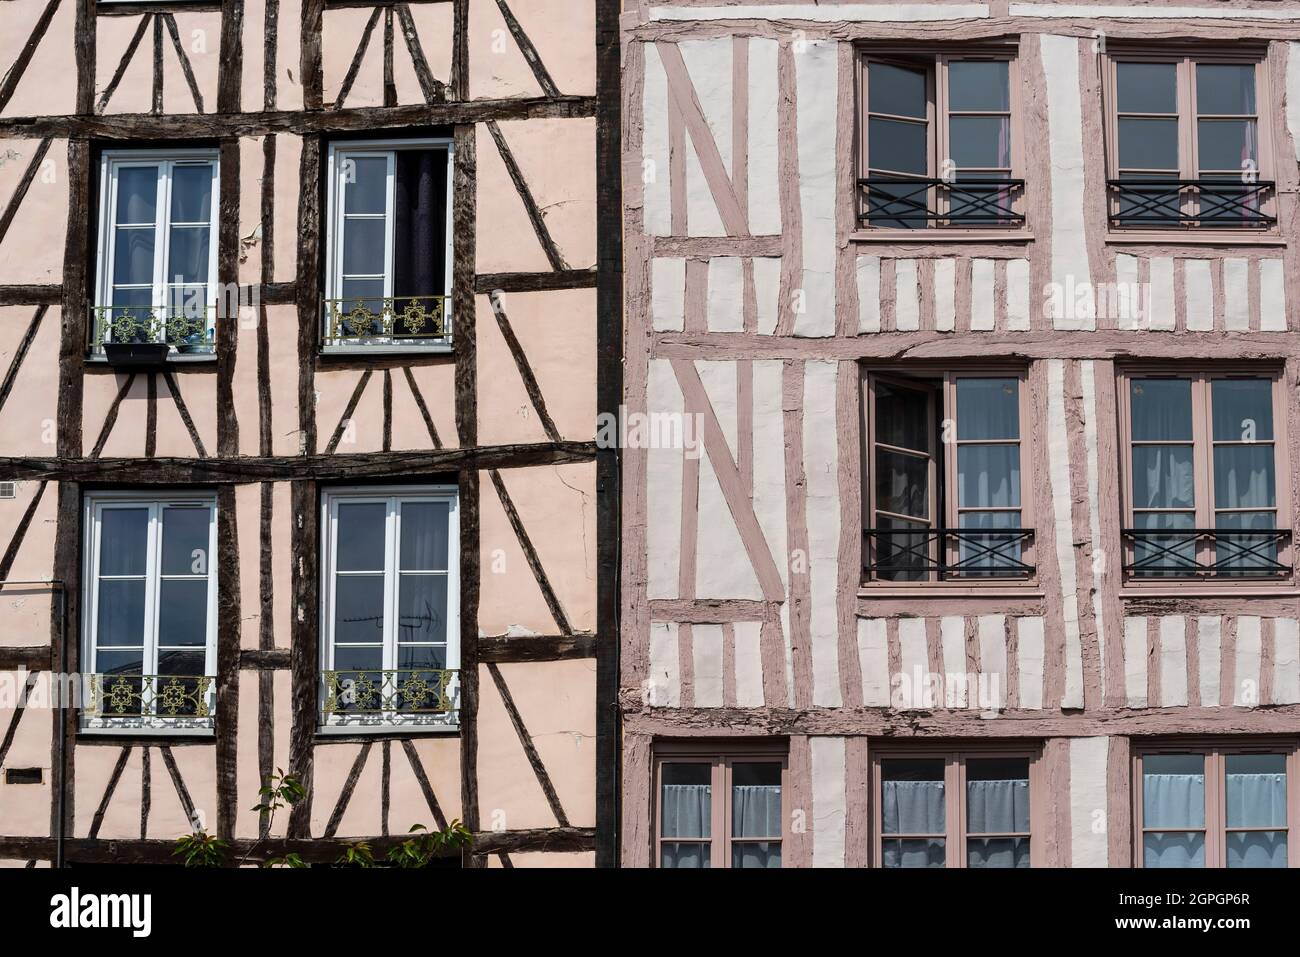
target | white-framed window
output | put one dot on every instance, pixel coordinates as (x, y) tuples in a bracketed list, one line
[(156, 266), (149, 652), (390, 615), (388, 254)]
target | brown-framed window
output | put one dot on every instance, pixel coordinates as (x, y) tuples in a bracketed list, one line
[(947, 496), (938, 145), (719, 807), (1186, 147), (1205, 471), (1227, 803), (937, 807)]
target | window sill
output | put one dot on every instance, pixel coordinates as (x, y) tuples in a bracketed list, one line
[(1189, 237), (951, 590), (403, 729), (145, 731), (1195, 590), (924, 236), (387, 349), (99, 359)]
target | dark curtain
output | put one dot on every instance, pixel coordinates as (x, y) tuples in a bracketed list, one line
[(419, 236)]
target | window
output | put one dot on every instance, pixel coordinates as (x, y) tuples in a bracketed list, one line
[(946, 500), (157, 261), (953, 808), (391, 608), (149, 657), (937, 144), (1186, 147), (742, 827), (1205, 471), (389, 250), (1215, 805)]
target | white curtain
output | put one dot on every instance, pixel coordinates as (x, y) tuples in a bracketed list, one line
[(997, 806), (756, 812), (1257, 800), (1173, 800), (687, 813)]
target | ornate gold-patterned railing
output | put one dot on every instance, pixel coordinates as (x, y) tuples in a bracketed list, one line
[(392, 320), (401, 691), (187, 329), (153, 696)]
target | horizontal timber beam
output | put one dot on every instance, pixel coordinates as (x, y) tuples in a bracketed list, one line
[(517, 648), (284, 468), (300, 122)]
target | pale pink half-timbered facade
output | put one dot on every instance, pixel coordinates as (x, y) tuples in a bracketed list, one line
[(963, 341)]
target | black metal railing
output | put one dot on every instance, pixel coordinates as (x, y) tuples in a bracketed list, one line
[(1225, 204), (907, 203), (1205, 553), (907, 554)]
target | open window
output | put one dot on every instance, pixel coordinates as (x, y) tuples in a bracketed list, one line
[(938, 142), (390, 608), (1227, 803), (388, 270), (156, 261), (946, 498), (1205, 470), (149, 655), (1186, 148)]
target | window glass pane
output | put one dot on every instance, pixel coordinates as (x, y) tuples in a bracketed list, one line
[(183, 612), (913, 852), (1163, 477), (756, 800), (187, 260), (989, 554), (1227, 145), (123, 538), (901, 204), (424, 535), (364, 294), (185, 541), (1243, 476), (1245, 554), (137, 194), (355, 659), (1162, 410), (903, 550), (1148, 144), (997, 795), (365, 184), (192, 194), (1243, 409), (176, 661), (978, 85), (997, 852), (1256, 790), (892, 89), (136, 301), (1168, 554), (359, 608), (133, 256), (120, 662), (1173, 790), (1175, 849), (756, 854), (422, 608), (120, 617), (363, 246), (686, 800), (902, 483), (1225, 88), (976, 142), (1257, 849), (685, 855), (912, 799), (902, 417), (988, 409), (897, 146), (988, 476), (422, 656), (361, 531), (1147, 87)]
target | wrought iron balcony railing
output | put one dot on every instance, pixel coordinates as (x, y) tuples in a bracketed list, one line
[(1219, 204), (397, 320), (391, 696), (152, 701), (907, 554), (185, 329), (906, 203), (1206, 553)]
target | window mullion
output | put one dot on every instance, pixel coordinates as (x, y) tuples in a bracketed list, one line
[(153, 589), (391, 585), (160, 252), (390, 221)]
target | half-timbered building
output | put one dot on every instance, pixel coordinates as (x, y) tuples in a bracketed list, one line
[(984, 316), (298, 380)]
